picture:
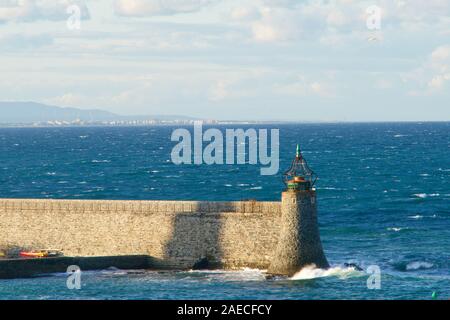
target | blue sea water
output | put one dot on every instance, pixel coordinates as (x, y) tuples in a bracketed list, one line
[(383, 193)]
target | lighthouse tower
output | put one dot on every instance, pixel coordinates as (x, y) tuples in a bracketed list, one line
[(299, 242)]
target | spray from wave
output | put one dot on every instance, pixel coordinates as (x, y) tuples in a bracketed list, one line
[(312, 272)]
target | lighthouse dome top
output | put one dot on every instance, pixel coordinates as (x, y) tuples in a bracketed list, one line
[(299, 176)]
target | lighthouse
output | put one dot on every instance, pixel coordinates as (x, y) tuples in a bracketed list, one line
[(299, 243)]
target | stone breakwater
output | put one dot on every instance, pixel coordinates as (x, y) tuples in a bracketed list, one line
[(175, 234)]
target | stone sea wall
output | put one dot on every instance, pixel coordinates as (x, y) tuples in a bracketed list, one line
[(176, 233)]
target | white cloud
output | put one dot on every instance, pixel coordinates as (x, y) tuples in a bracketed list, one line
[(145, 8), (441, 55), (433, 75), (331, 21), (32, 10), (438, 81), (23, 41), (336, 18), (243, 13), (275, 24), (303, 86), (440, 65)]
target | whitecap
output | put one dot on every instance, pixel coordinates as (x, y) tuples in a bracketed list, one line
[(395, 229), (245, 274), (416, 217), (312, 272), (417, 265), (256, 188), (227, 185), (101, 161), (426, 195)]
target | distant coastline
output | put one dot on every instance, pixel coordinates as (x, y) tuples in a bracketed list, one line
[(36, 115), (191, 122)]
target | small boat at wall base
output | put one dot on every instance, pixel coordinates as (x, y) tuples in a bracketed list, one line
[(40, 254)]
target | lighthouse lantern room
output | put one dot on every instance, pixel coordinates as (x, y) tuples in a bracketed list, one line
[(299, 177)]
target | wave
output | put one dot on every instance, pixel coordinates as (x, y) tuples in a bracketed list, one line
[(426, 195), (418, 265), (413, 265), (245, 274), (101, 161), (395, 229), (312, 272), (418, 216)]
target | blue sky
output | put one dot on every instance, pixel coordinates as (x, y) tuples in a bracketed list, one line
[(227, 59)]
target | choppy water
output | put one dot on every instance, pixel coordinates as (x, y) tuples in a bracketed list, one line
[(383, 200)]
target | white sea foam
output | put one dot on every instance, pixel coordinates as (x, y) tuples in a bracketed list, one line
[(101, 161), (395, 229), (417, 216), (256, 188), (245, 274), (426, 195), (312, 272), (417, 265)]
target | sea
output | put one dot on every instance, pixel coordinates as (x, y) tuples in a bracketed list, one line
[(383, 204)]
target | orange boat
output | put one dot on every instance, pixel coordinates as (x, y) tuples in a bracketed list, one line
[(40, 254), (33, 254)]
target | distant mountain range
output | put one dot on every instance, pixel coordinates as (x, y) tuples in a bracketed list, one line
[(32, 112)]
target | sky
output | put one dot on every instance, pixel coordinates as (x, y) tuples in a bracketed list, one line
[(304, 60)]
